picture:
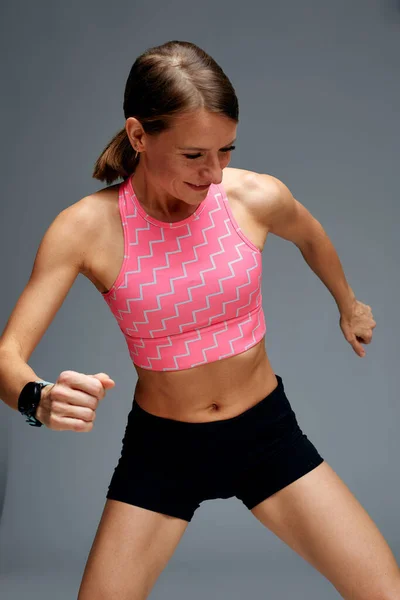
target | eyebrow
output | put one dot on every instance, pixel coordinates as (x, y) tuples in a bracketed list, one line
[(202, 149)]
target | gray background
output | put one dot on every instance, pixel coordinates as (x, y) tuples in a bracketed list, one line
[(318, 86)]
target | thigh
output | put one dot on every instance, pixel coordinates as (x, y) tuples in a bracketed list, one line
[(131, 548), (319, 518)]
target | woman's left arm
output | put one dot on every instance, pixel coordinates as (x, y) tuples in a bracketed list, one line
[(285, 217)]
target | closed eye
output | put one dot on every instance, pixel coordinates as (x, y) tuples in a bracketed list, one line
[(198, 155)]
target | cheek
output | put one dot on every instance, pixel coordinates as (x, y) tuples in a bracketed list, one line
[(172, 175), (178, 171), (164, 170), (172, 172)]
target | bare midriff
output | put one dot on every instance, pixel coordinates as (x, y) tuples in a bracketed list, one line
[(218, 390)]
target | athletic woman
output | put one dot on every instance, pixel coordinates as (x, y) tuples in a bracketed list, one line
[(175, 250)]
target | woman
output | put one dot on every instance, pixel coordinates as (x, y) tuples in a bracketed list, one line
[(175, 251)]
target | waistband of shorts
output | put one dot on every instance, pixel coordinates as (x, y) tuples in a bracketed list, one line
[(249, 415)]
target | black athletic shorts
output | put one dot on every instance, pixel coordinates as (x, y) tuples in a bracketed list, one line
[(171, 466)]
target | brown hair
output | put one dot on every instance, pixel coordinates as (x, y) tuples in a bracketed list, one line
[(166, 81)]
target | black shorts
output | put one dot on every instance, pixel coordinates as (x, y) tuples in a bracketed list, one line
[(171, 466)]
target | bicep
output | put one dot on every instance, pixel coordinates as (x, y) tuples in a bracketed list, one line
[(58, 262)]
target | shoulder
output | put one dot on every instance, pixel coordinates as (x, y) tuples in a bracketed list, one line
[(86, 220), (272, 205), (85, 211), (250, 179), (260, 193), (97, 208)]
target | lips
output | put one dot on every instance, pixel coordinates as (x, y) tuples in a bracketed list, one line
[(199, 187)]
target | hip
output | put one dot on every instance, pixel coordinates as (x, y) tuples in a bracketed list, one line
[(161, 444)]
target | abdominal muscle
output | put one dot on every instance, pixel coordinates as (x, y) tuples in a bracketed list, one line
[(218, 390)]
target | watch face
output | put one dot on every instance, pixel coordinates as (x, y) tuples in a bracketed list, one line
[(28, 401), (29, 398)]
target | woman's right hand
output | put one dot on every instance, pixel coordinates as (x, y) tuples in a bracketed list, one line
[(70, 403)]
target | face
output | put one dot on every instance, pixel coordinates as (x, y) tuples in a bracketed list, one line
[(168, 162)]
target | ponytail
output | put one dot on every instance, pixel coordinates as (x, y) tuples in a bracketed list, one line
[(116, 160)]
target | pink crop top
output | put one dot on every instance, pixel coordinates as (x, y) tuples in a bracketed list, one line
[(189, 292)]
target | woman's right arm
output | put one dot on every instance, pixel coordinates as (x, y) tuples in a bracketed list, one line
[(59, 260)]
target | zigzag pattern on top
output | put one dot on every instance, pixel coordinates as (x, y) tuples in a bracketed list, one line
[(187, 292)]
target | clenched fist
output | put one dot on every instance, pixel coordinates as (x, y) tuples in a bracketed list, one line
[(70, 403)]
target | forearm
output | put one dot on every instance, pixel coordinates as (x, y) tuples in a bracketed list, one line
[(323, 259), (14, 374)]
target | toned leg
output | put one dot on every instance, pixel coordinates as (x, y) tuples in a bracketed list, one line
[(321, 520), (131, 548)]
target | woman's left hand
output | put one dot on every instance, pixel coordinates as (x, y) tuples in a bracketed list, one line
[(357, 326)]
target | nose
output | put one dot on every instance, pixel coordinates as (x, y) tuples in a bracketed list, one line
[(213, 171)]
